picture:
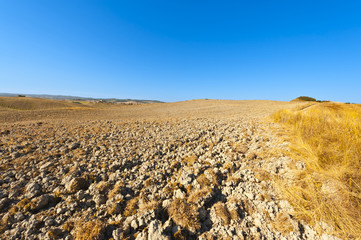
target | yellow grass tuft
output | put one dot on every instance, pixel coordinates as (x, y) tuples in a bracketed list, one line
[(132, 206), (103, 187), (116, 189), (282, 224), (146, 205), (89, 230), (190, 160), (185, 214), (327, 137), (196, 195), (203, 181), (222, 212)]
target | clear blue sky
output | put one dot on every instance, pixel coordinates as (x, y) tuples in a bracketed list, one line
[(179, 50)]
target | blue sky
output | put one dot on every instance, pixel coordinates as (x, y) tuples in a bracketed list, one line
[(181, 50)]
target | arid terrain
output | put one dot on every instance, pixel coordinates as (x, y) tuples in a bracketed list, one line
[(199, 169)]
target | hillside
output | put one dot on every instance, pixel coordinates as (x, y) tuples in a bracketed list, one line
[(24, 103), (13, 109), (75, 98), (200, 169)]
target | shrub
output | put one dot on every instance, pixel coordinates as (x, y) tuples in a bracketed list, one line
[(305, 98)]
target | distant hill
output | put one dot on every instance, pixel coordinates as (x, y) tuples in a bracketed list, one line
[(304, 98), (75, 98)]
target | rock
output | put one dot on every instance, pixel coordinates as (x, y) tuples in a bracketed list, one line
[(155, 231), (3, 193), (185, 179), (19, 216), (4, 203), (258, 222), (179, 194), (41, 202), (49, 221), (142, 236), (33, 189), (15, 154), (74, 145), (249, 195), (175, 229), (60, 210), (99, 199), (189, 178), (118, 234), (134, 224), (80, 194), (166, 203)]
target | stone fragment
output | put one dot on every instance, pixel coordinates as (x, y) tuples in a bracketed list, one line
[(33, 189)]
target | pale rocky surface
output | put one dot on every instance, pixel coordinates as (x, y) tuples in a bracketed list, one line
[(181, 177)]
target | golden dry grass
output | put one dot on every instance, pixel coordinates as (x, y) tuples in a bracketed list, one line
[(184, 214), (131, 207), (190, 160), (103, 187), (89, 230), (222, 212), (282, 224), (116, 189), (327, 137), (203, 181), (198, 194)]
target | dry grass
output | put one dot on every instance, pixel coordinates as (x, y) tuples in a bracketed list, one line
[(234, 214), (184, 214), (251, 156), (131, 208), (230, 166), (89, 230), (262, 175), (327, 137), (103, 187), (190, 160), (203, 181), (196, 195), (147, 205), (54, 233), (116, 189), (216, 177), (149, 182), (282, 224), (240, 148), (222, 213)]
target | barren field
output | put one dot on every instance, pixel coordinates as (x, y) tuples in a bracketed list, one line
[(200, 169)]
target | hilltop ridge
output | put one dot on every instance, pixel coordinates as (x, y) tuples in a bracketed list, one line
[(76, 98)]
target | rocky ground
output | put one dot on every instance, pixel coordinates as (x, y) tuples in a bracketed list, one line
[(200, 178)]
